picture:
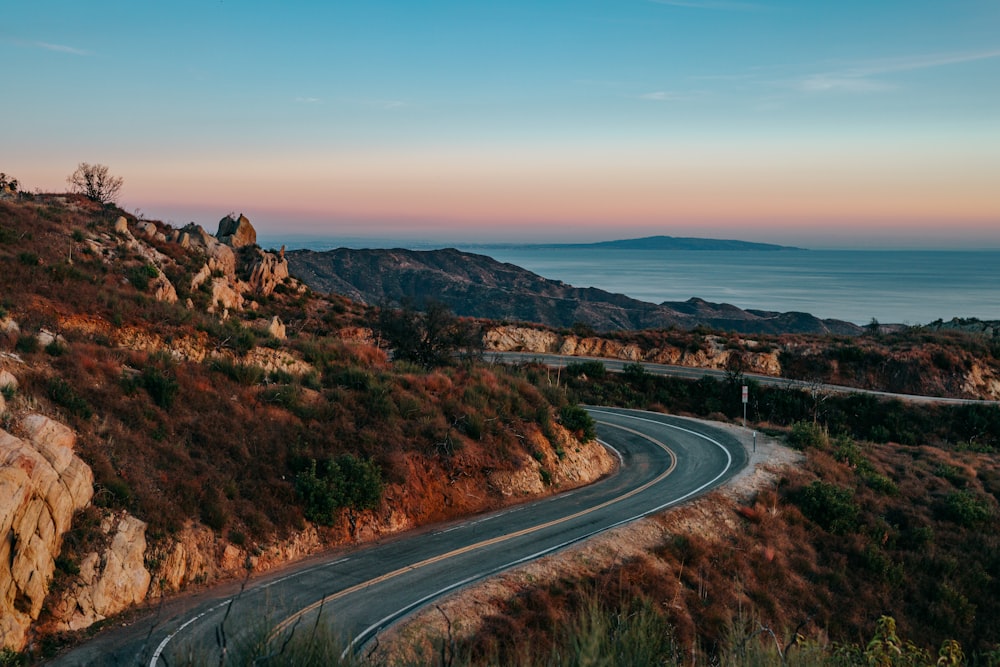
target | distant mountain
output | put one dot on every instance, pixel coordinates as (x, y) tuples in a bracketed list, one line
[(683, 243), (479, 286), (650, 243)]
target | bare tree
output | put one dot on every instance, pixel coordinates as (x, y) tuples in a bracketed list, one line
[(96, 182)]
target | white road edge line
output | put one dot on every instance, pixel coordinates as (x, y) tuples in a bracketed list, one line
[(378, 625), (166, 640)]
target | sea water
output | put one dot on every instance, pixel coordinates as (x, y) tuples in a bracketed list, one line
[(891, 286), (906, 287)]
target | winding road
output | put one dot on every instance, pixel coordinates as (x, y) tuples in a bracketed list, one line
[(695, 372), (664, 461)]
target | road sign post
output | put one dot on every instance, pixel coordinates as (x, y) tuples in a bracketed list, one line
[(746, 398)]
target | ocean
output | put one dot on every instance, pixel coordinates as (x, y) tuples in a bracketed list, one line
[(904, 287), (891, 286)]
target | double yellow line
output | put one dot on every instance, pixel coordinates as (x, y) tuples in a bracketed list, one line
[(291, 620)]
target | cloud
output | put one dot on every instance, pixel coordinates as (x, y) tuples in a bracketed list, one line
[(722, 5), (59, 48), (828, 83), (307, 100), (669, 96), (861, 76)]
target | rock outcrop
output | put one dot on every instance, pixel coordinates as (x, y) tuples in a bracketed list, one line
[(110, 581), (268, 271), (236, 233), (42, 484), (715, 353)]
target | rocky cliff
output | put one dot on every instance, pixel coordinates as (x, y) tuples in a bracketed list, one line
[(714, 352)]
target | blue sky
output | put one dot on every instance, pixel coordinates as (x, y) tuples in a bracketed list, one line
[(812, 123)]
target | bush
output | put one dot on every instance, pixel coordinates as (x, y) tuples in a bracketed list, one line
[(591, 369), (831, 506), (579, 421), (26, 343), (808, 434), (966, 508), (139, 276), (333, 484), (62, 393), (160, 386)]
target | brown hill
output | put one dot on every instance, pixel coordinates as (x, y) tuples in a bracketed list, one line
[(478, 286), (212, 407)]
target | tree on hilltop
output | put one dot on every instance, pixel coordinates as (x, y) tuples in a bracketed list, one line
[(95, 182), (9, 184)]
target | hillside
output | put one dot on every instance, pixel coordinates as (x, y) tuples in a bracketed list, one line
[(176, 410), (478, 286)]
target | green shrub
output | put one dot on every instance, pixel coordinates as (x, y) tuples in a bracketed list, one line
[(26, 343), (62, 393), (245, 374), (160, 386), (28, 258), (808, 434), (831, 506), (579, 421), (139, 276), (592, 369), (333, 484), (966, 508)]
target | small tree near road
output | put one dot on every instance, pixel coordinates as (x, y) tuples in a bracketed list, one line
[(95, 182)]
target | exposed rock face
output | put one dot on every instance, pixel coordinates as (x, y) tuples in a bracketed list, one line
[(236, 233), (715, 355), (110, 581), (42, 483), (268, 272)]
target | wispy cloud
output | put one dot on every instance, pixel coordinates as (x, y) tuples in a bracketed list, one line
[(307, 100), (864, 76), (718, 5), (49, 46), (670, 96)]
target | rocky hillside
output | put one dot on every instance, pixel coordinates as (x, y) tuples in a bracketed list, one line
[(176, 409), (947, 362), (478, 286)]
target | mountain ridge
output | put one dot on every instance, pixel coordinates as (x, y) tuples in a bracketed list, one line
[(475, 285)]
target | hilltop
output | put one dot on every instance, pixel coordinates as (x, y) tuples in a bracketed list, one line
[(177, 409)]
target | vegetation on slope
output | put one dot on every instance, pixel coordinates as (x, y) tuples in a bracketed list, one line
[(188, 418), (868, 527)]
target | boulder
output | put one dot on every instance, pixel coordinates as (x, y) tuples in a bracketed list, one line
[(42, 484), (236, 232), (276, 328), (9, 326), (110, 581), (146, 229), (121, 225), (267, 273), (7, 380)]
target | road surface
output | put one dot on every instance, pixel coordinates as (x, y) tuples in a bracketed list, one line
[(618, 365), (664, 461)]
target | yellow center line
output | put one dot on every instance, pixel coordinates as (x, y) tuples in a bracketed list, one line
[(281, 627)]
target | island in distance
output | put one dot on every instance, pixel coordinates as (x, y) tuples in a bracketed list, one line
[(660, 242), (476, 285)]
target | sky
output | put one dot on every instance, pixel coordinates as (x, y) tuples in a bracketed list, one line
[(809, 123)]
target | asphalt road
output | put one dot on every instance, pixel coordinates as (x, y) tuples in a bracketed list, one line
[(664, 461), (617, 365)]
